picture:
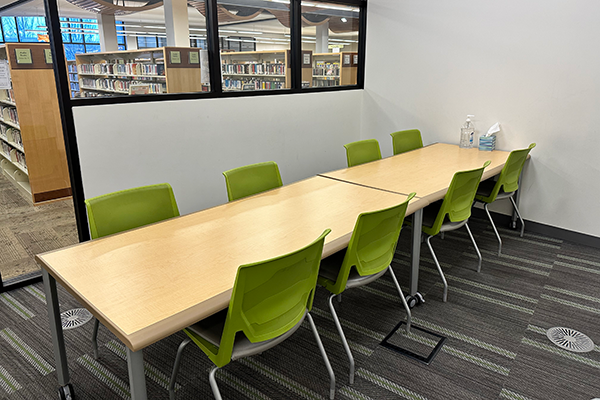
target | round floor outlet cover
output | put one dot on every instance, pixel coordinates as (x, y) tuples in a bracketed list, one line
[(75, 318), (570, 339)]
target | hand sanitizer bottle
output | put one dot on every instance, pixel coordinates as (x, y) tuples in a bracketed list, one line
[(466, 133)]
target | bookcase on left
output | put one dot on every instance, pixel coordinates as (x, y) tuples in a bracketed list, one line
[(32, 149)]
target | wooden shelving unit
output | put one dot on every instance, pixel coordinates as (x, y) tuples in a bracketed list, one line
[(73, 78), (32, 150), (161, 70), (334, 69)]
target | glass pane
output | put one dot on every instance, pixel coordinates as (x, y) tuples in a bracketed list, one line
[(147, 42), (92, 48), (255, 54), (32, 29), (122, 47), (90, 31), (66, 37), (76, 36), (9, 27), (120, 33), (72, 49), (1, 35), (330, 33)]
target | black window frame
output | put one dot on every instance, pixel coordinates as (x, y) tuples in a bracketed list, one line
[(212, 41)]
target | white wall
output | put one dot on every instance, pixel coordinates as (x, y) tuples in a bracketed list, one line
[(531, 65), (190, 143)]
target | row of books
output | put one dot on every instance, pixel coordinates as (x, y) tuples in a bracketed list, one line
[(119, 85), (73, 77), (251, 84), (19, 157), (13, 154), (122, 69), (7, 94), (9, 114), (323, 68), (72, 68), (12, 135), (325, 83), (75, 86), (254, 68)]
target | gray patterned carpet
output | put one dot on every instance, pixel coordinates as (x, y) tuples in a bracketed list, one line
[(495, 322), (26, 230)]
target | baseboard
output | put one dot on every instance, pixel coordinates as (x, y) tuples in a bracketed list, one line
[(543, 229), (20, 281)]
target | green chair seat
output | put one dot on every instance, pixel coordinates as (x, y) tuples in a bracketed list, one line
[(403, 141), (269, 302), (504, 187), (252, 179), (362, 151)]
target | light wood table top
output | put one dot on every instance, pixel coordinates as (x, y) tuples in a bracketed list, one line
[(148, 283), (427, 171)]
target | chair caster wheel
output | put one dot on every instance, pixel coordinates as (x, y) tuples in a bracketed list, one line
[(66, 392), (415, 300), (513, 225)]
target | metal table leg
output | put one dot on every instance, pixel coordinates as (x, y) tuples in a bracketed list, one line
[(137, 378), (417, 225), (58, 341)]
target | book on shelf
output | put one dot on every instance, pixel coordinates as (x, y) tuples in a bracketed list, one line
[(254, 68), (125, 69), (9, 114), (324, 68), (252, 84)]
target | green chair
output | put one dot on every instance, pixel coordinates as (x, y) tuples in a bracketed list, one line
[(270, 299), (403, 141), (453, 212), (368, 256), (363, 151), (252, 179), (504, 187), (127, 209)]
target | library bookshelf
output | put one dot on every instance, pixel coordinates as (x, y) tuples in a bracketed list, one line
[(261, 70), (73, 78), (334, 69), (32, 152), (160, 70)]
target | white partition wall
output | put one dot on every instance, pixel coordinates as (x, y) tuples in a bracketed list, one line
[(532, 66), (189, 143)]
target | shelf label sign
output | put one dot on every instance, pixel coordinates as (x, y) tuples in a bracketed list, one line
[(307, 59), (194, 57), (48, 56), (175, 57), (23, 56), (4, 76)]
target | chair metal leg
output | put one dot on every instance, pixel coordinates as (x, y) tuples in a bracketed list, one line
[(325, 358), (213, 383), (439, 268), (404, 303), (176, 368), (338, 325), (518, 215), (476, 248), (485, 207), (339, 298), (95, 338)]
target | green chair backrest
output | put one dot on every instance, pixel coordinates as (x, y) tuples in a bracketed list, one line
[(269, 298), (252, 179), (131, 208), (372, 245), (403, 141), (509, 176), (459, 198), (363, 151)]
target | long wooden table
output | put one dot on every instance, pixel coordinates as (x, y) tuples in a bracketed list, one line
[(428, 172), (148, 283)]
